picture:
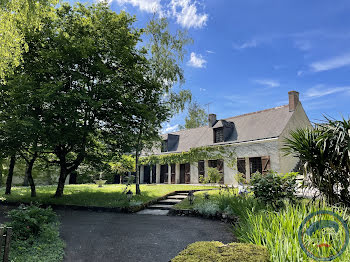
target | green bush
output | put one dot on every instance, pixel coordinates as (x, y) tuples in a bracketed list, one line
[(214, 176), (217, 251), (35, 235), (274, 188), (28, 221), (207, 208)]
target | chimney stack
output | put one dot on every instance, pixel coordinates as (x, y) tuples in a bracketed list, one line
[(212, 120), (293, 100)]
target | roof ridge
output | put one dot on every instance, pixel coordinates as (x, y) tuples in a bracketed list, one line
[(186, 129), (256, 112), (247, 114)]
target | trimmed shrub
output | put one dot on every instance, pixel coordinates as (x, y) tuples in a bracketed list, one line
[(217, 251)]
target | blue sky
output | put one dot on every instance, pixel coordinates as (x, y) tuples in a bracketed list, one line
[(247, 54)]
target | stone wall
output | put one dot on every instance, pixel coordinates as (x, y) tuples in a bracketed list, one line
[(299, 119)]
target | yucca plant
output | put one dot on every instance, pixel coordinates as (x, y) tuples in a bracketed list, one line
[(325, 154)]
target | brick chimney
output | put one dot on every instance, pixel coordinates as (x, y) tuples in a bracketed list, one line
[(212, 120), (293, 100)]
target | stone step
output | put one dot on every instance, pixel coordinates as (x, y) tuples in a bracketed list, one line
[(156, 212), (159, 206), (177, 197), (182, 194), (169, 201)]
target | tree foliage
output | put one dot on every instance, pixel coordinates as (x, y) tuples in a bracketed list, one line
[(89, 89), (16, 17), (196, 116), (325, 153)]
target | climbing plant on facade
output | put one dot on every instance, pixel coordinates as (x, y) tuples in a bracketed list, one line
[(225, 152)]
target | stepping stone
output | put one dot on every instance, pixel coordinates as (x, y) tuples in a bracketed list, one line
[(182, 194), (159, 206), (169, 201), (177, 197), (156, 212)]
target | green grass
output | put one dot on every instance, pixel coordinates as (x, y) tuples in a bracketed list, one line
[(198, 198), (92, 195)]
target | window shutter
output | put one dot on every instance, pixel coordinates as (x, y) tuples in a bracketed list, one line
[(220, 165), (265, 161)]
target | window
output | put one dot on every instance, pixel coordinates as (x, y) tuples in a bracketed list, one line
[(241, 166), (255, 165), (219, 165), (219, 135), (201, 171), (164, 146)]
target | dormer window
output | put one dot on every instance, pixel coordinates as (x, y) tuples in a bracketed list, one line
[(219, 135), (165, 146)]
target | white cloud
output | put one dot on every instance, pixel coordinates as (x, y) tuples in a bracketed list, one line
[(248, 44), (332, 63), (202, 89), (168, 128), (300, 73), (185, 12), (267, 82), (197, 61), (210, 52), (150, 6), (322, 90), (303, 45)]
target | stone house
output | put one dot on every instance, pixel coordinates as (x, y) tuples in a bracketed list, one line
[(257, 139)]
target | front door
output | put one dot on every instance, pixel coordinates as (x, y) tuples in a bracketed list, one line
[(154, 180), (172, 171), (185, 174), (146, 175), (182, 174), (163, 174)]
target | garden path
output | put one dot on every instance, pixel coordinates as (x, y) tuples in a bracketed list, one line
[(162, 207), (104, 236)]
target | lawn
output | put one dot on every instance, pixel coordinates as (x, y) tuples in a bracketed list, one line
[(92, 195), (214, 196)]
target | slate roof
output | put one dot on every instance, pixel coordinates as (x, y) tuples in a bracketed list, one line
[(259, 125)]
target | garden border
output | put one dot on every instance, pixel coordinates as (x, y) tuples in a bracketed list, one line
[(130, 209), (223, 217)]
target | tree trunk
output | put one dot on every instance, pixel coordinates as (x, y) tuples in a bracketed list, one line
[(138, 191), (29, 175), (1, 170), (61, 180), (26, 179), (10, 175)]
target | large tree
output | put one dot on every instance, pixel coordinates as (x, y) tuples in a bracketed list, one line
[(88, 77), (17, 16), (196, 116)]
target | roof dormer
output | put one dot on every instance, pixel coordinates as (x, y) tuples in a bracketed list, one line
[(222, 131), (170, 142)]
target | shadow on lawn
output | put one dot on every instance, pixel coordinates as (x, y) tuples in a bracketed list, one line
[(85, 197)]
